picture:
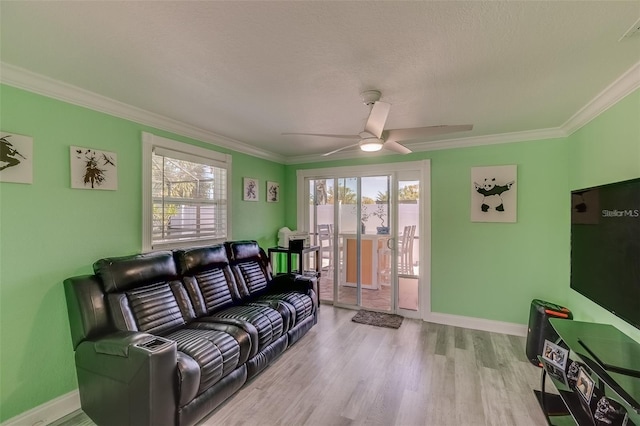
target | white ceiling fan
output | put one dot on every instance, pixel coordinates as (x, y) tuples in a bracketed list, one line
[(374, 137)]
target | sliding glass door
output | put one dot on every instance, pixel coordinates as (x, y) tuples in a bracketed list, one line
[(348, 219), (362, 233), (368, 228), (408, 245)]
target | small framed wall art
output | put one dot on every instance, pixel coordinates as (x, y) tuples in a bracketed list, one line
[(273, 192), (93, 169), (494, 194), (16, 158), (249, 189)]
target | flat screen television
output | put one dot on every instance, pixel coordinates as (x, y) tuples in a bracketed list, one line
[(605, 247)]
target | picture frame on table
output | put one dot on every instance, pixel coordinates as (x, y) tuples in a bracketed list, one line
[(610, 412), (585, 385), (555, 355), (556, 373)]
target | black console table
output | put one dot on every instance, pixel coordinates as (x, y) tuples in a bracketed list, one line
[(610, 356), (301, 252)]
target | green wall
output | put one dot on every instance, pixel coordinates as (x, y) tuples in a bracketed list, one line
[(494, 270), (50, 232), (605, 150)]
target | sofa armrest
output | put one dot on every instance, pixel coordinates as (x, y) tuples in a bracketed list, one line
[(128, 378), (293, 282), (311, 283), (306, 282), (121, 343)]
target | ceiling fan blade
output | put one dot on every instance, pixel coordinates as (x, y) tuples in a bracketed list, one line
[(396, 147), (339, 149), (397, 135), (325, 135), (377, 118)]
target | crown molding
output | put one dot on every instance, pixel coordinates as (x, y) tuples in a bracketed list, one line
[(624, 85), (527, 135), (45, 86), (23, 79)]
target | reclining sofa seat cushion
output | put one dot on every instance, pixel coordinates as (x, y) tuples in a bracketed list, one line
[(145, 295), (256, 284), (212, 288)]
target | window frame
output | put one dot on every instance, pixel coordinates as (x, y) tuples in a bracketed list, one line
[(151, 141)]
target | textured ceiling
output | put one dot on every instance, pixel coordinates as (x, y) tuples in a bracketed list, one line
[(250, 71)]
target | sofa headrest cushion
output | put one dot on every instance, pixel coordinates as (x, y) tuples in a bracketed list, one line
[(124, 273), (192, 261), (243, 250)]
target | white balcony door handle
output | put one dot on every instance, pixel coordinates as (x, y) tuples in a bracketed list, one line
[(390, 243)]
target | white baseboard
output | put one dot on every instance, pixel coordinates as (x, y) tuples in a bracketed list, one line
[(478, 324), (48, 412)]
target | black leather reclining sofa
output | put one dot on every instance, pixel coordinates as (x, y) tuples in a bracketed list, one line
[(164, 338)]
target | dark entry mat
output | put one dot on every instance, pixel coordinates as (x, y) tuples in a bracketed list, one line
[(378, 319)]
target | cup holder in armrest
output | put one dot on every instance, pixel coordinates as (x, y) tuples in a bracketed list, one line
[(154, 344)]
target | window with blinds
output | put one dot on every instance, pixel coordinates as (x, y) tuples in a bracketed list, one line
[(189, 197)]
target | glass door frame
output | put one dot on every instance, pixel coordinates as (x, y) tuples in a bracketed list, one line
[(383, 169), (361, 242)]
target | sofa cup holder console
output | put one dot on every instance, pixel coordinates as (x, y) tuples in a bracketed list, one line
[(154, 344)]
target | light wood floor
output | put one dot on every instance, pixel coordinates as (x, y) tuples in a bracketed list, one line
[(378, 299), (343, 373)]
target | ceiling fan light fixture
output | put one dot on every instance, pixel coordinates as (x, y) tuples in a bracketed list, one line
[(371, 144)]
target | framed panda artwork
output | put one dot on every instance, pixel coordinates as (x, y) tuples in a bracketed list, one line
[(494, 194)]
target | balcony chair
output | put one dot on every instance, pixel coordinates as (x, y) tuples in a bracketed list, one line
[(405, 250), (325, 241)]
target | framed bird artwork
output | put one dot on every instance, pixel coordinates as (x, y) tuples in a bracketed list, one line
[(93, 169)]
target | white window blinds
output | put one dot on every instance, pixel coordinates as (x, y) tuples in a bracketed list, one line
[(189, 198)]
